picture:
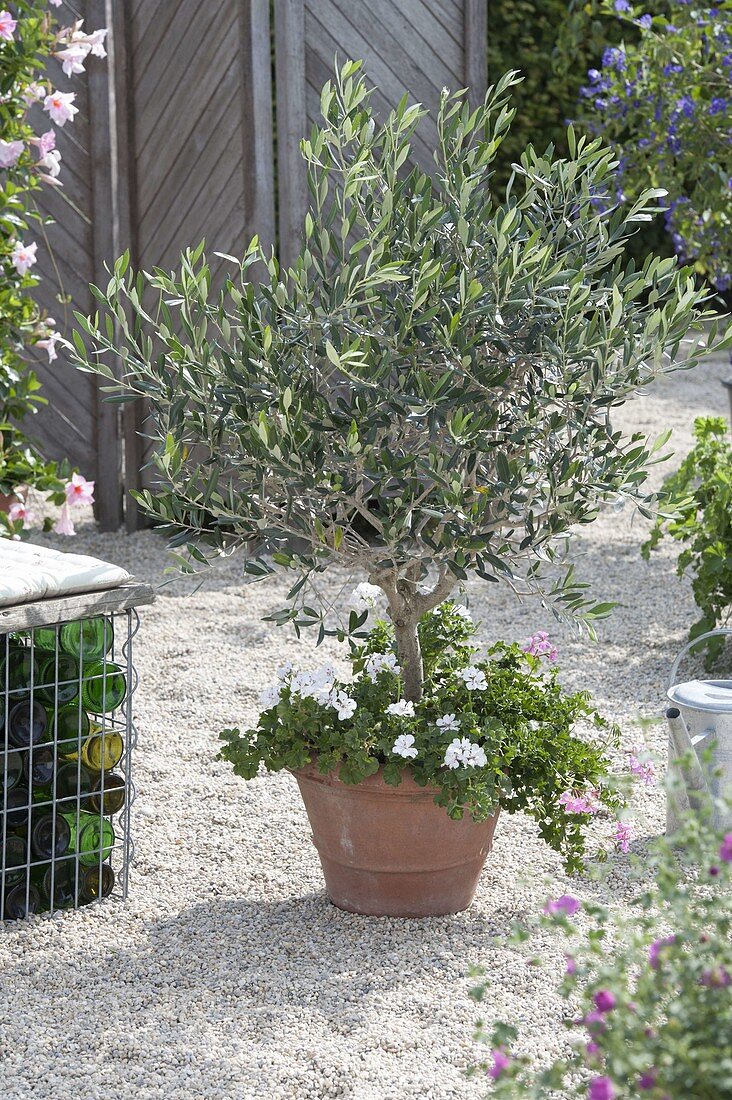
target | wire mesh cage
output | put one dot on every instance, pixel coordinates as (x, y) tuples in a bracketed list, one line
[(66, 741)]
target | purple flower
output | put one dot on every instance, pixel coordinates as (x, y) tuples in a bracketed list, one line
[(623, 836), (622, 5), (538, 645), (725, 852), (718, 106), (605, 1001), (501, 1062), (579, 803), (645, 21), (601, 1088), (565, 905), (647, 1080), (613, 57), (643, 769), (571, 965), (654, 951), (592, 1050), (594, 1021), (716, 978)]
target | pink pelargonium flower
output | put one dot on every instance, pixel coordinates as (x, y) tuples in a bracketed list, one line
[(538, 645), (23, 256), (642, 769), (64, 525), (10, 153), (725, 851), (579, 803), (500, 1063), (7, 25), (565, 905), (79, 490), (623, 836), (60, 106), (19, 511)]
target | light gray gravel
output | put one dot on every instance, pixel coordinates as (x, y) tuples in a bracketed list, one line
[(227, 974)]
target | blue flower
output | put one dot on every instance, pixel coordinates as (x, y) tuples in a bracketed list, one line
[(613, 57), (718, 106), (622, 5), (686, 106), (645, 22)]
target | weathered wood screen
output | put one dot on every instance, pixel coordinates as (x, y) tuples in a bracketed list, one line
[(175, 141)]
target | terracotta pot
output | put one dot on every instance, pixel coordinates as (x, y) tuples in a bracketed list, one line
[(390, 851)]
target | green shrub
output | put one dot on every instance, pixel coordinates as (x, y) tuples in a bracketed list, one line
[(700, 500)]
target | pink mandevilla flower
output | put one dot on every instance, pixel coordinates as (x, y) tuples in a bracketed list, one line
[(60, 106), (19, 511), (64, 525), (579, 803), (623, 836), (601, 1088), (79, 490), (23, 256), (7, 25), (501, 1062), (565, 905), (10, 153), (725, 851), (56, 3), (538, 645), (49, 344)]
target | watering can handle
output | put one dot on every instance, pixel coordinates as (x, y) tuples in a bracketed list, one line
[(690, 645)]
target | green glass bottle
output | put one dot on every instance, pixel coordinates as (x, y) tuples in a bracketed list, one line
[(103, 750), (104, 687), (18, 666), (11, 771), (45, 637), (93, 884), (26, 724), (64, 886), (40, 766), (58, 679), (73, 780), (88, 639), (16, 905), (17, 811), (90, 833), (16, 856), (49, 838), (69, 728), (112, 799)]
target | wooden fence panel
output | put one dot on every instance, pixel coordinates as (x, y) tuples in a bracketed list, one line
[(175, 141), (413, 46)]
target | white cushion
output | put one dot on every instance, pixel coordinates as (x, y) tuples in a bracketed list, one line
[(30, 572)]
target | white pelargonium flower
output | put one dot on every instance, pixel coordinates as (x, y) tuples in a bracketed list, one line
[(464, 752), (343, 704), (284, 671), (404, 746), (365, 596), (404, 708), (463, 612), (270, 697), (474, 678), (448, 723), (380, 662)]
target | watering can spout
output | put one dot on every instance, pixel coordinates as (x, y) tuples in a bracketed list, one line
[(689, 786)]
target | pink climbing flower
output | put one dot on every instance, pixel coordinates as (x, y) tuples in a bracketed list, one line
[(601, 1088), (79, 490), (501, 1062), (725, 851), (72, 58), (623, 836), (60, 106), (19, 511), (46, 142), (7, 25), (565, 905), (64, 525), (56, 3), (49, 344), (579, 803), (23, 256), (10, 153), (538, 645)]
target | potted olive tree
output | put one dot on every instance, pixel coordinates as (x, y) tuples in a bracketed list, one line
[(425, 395)]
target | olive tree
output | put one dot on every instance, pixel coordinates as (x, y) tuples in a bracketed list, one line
[(428, 391)]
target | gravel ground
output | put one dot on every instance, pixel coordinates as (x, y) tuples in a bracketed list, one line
[(227, 974)]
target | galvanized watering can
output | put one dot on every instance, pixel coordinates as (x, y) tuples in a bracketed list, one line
[(700, 724)]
